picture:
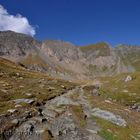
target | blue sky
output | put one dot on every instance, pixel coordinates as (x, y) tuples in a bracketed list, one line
[(81, 21)]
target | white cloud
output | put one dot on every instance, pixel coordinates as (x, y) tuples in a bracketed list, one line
[(16, 23)]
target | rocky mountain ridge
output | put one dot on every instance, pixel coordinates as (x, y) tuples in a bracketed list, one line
[(65, 60)]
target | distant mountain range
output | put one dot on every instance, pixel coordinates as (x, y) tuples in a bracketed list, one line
[(65, 60)]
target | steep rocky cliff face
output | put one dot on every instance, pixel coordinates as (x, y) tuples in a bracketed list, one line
[(67, 57), (101, 59), (15, 45), (65, 60), (130, 56)]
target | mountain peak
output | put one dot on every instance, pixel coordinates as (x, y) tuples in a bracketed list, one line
[(94, 59), (9, 32)]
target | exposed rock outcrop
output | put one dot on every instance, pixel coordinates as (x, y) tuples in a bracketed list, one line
[(65, 60)]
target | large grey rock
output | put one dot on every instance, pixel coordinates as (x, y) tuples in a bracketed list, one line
[(28, 128), (109, 116), (64, 101), (63, 125), (49, 114)]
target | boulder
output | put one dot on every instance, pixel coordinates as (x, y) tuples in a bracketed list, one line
[(138, 109), (96, 92), (49, 114), (15, 121), (28, 128), (109, 116), (128, 78)]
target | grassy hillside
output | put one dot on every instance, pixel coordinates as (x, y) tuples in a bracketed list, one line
[(116, 95), (121, 91), (130, 55), (102, 47), (34, 61), (16, 83)]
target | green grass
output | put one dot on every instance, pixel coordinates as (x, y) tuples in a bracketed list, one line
[(101, 46), (41, 86), (107, 135), (78, 112), (115, 87), (111, 131), (132, 58)]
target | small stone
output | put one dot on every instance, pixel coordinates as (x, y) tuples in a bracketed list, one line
[(21, 78), (3, 90), (17, 74), (97, 86), (28, 115), (1, 74), (110, 99), (17, 106), (40, 131), (107, 101), (109, 130), (92, 131), (69, 114), (12, 110), (134, 106), (49, 113), (128, 78), (42, 86), (40, 111), (64, 132), (28, 128), (114, 100), (138, 109), (62, 86), (37, 104), (29, 94), (127, 110), (40, 119), (96, 92), (51, 88), (21, 86), (125, 90), (5, 84), (132, 94), (28, 101), (15, 121)]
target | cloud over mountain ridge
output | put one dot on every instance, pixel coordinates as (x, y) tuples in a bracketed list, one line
[(16, 23)]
